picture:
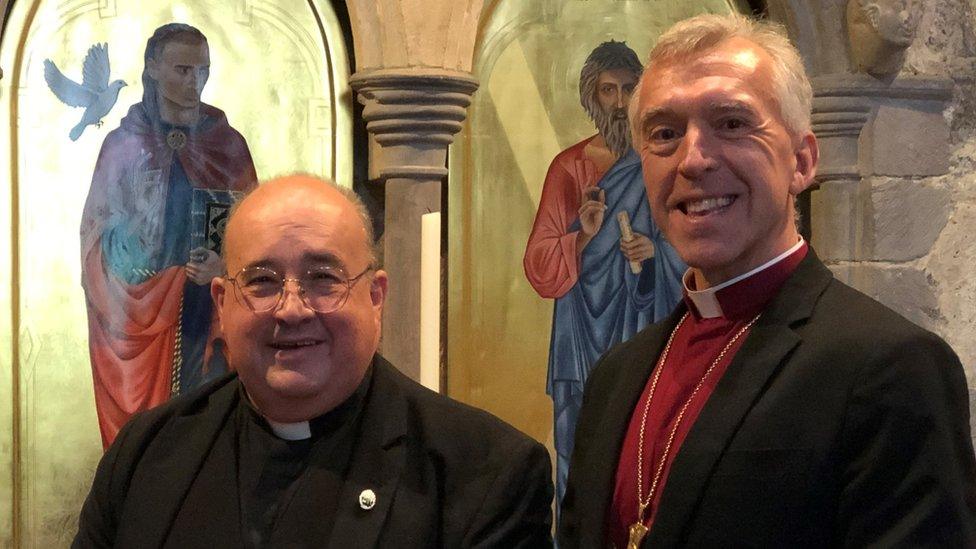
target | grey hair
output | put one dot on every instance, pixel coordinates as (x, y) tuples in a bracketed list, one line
[(361, 211), (607, 56), (684, 39)]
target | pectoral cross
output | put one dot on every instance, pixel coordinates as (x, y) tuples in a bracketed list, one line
[(637, 534)]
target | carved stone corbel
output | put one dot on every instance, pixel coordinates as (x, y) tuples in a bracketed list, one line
[(880, 32)]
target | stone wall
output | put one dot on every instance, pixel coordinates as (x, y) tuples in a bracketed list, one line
[(913, 214)]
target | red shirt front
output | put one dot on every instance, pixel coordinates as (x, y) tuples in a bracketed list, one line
[(697, 343)]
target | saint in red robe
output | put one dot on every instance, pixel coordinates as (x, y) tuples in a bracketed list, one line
[(133, 253)]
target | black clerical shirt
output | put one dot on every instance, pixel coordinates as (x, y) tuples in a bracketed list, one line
[(283, 483)]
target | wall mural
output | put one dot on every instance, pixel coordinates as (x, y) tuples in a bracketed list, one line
[(594, 248), (541, 278), (117, 198), (163, 182)]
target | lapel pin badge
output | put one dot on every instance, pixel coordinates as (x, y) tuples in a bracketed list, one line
[(367, 499)]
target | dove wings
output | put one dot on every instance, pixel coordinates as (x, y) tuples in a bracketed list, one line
[(95, 73)]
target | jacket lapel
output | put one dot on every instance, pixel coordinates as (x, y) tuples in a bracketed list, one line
[(598, 468), (376, 463), (168, 468), (761, 355)]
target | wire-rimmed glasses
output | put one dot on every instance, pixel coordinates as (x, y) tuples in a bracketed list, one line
[(323, 289)]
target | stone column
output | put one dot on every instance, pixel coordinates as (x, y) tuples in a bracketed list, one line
[(876, 211), (413, 76), (412, 117), (840, 111)]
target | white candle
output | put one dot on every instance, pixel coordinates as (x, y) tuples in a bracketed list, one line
[(430, 300)]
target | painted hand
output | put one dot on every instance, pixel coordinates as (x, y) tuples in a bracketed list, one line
[(204, 266), (592, 210), (638, 248)]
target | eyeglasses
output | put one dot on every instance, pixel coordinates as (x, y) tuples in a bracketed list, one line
[(323, 290)]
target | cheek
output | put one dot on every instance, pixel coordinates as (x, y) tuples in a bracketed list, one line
[(656, 181), (239, 328)]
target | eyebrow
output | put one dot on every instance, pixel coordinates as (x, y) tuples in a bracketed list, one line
[(323, 258), (732, 106), (717, 107), (320, 258), (652, 114)]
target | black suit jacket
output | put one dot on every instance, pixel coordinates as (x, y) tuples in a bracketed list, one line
[(444, 475), (838, 423)]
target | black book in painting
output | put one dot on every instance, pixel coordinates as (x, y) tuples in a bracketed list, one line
[(208, 215)]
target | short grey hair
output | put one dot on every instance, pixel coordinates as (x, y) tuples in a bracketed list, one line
[(693, 36), (361, 211)]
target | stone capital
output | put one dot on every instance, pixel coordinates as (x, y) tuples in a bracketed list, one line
[(863, 122), (412, 116)]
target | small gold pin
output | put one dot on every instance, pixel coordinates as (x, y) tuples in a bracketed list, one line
[(367, 499)]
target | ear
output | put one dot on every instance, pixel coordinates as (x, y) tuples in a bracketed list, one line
[(153, 68), (377, 290), (218, 292), (807, 154)]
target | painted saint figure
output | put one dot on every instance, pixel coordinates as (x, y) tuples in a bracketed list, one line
[(146, 267), (575, 254)]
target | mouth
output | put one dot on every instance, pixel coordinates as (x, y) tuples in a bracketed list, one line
[(295, 344), (706, 206)]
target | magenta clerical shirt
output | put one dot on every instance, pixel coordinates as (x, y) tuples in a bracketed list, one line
[(714, 317)]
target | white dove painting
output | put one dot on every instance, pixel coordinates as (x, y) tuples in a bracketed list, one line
[(95, 94)]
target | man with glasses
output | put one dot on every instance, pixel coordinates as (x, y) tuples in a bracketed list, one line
[(315, 440)]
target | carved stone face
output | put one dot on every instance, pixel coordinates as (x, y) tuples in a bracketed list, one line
[(880, 31)]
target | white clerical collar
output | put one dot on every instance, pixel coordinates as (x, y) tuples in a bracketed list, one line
[(299, 430), (290, 431), (706, 301)]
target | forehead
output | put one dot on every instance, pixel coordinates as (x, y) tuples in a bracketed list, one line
[(733, 68), (296, 233), (185, 54), (616, 76)]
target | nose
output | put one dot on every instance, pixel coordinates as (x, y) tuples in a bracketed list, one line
[(195, 80), (292, 307), (696, 157), (622, 97)]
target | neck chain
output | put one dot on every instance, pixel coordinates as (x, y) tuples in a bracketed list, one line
[(637, 530)]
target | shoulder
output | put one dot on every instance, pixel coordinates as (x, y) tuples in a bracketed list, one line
[(493, 482), (568, 157), (635, 352), (450, 427), (143, 428), (849, 319), (219, 123)]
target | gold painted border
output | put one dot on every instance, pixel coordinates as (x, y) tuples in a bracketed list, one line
[(329, 68), (15, 396)]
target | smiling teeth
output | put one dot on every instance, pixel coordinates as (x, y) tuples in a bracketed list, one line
[(293, 344), (706, 204)]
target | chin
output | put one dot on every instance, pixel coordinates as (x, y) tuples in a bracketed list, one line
[(294, 384)]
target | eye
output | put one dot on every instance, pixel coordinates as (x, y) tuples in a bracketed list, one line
[(260, 279), (323, 281), (733, 124), (259, 282), (662, 134), (324, 276)]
